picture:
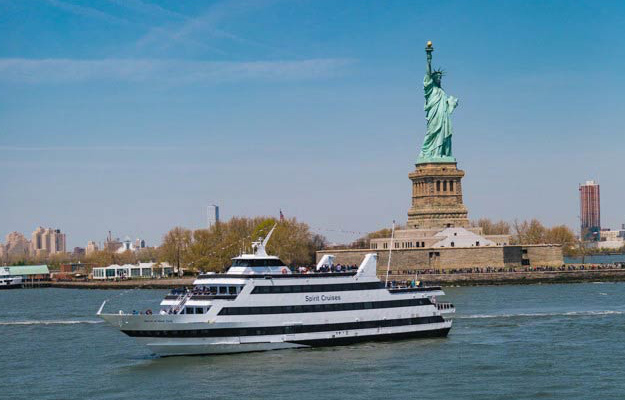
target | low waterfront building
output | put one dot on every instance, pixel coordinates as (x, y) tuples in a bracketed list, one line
[(127, 271), (29, 272), (611, 239), (75, 267)]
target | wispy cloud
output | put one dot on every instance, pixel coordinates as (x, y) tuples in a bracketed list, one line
[(193, 33), (55, 71), (87, 148), (153, 10), (88, 12)]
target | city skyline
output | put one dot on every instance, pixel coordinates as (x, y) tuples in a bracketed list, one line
[(139, 130)]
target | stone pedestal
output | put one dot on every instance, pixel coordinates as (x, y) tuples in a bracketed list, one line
[(437, 197)]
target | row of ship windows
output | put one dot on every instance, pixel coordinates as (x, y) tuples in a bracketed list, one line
[(292, 329), (194, 310), (338, 287), (323, 307), (398, 245)]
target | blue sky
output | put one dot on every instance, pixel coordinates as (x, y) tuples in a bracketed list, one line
[(132, 116)]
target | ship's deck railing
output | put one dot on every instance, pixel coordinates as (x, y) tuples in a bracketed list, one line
[(309, 274), (408, 289), (203, 296)]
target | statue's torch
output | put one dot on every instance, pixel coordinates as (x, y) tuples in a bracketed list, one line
[(429, 49)]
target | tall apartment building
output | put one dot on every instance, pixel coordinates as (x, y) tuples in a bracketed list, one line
[(48, 241), (213, 215), (16, 245), (590, 210)]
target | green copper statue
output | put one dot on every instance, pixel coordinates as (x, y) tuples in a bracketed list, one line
[(438, 108)]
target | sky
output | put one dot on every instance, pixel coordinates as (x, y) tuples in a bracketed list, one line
[(134, 115)]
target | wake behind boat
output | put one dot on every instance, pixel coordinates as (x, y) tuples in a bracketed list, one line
[(260, 304)]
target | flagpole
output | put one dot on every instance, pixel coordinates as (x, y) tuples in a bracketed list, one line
[(390, 252)]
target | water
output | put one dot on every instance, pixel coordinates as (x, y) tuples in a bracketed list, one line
[(596, 259), (508, 342)]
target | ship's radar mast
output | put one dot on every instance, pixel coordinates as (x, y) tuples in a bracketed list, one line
[(259, 245)]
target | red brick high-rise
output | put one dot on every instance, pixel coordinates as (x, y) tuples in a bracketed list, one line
[(590, 210)]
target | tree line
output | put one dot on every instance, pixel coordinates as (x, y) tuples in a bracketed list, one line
[(212, 249), (292, 241)]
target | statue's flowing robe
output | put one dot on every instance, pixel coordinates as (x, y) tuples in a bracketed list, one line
[(438, 109)]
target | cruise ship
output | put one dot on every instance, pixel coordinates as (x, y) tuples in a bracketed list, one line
[(261, 304)]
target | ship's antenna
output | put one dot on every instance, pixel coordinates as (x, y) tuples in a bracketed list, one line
[(269, 235), (390, 252)]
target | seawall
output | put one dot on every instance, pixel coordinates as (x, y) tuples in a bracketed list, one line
[(516, 278)]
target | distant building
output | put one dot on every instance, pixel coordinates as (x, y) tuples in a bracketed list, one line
[(612, 238), (590, 210), (92, 247), (16, 245), (78, 251), (112, 244), (47, 241), (140, 244), (213, 215)]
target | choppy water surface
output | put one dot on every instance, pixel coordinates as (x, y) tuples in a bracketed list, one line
[(508, 342)]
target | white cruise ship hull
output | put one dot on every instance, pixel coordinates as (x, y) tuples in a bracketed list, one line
[(135, 325), (14, 282)]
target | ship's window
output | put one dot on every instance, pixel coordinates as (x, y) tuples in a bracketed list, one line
[(199, 310), (190, 310), (222, 290), (232, 289), (257, 263)]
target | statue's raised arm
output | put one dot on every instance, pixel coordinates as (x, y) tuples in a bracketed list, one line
[(428, 51), (438, 108)]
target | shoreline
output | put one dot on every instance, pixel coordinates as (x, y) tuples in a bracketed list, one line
[(457, 279)]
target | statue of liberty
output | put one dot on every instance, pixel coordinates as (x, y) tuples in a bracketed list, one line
[(438, 108)]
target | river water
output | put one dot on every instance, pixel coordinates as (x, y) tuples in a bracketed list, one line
[(507, 342), (596, 259)]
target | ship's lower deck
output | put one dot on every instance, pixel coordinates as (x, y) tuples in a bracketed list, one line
[(221, 341)]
